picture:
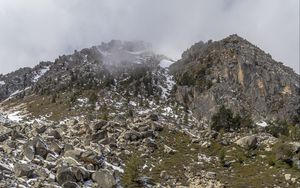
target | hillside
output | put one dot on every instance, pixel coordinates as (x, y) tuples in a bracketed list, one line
[(119, 115)]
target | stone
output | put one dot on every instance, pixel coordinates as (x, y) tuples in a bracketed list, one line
[(287, 177), (68, 147), (75, 154), (211, 175), (23, 170), (147, 134), (16, 135), (295, 147), (65, 175), (104, 179), (157, 127), (4, 167), (41, 129), (169, 150), (132, 136), (297, 164), (55, 134), (29, 151), (91, 157), (206, 144), (153, 117), (3, 137), (99, 125), (70, 184), (98, 136), (41, 147), (248, 142), (55, 147)]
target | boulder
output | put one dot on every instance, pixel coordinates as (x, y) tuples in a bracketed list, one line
[(28, 151), (3, 137), (99, 125), (147, 134), (153, 117), (75, 154), (23, 170), (132, 136), (248, 142), (70, 184), (169, 150), (55, 134), (55, 147), (41, 147), (64, 175), (98, 136), (41, 129), (104, 179), (157, 127)]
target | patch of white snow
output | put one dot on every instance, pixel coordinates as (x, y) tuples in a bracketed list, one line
[(262, 124), (14, 116), (40, 73), (165, 63), (114, 167)]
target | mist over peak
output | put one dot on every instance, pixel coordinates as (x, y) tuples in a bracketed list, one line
[(52, 28)]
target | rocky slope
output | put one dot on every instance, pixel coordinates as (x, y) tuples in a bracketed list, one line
[(116, 115)]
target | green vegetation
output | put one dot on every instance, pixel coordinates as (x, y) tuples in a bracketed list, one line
[(131, 172), (224, 119), (283, 129)]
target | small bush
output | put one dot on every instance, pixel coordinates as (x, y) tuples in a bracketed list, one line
[(222, 157), (131, 172)]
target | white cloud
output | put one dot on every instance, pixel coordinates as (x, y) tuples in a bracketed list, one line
[(35, 30)]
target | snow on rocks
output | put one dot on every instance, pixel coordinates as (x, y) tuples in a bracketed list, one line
[(262, 124), (40, 73), (15, 116), (165, 63)]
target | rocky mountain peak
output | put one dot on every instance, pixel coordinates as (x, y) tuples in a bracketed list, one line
[(235, 72)]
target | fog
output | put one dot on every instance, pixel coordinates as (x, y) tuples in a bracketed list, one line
[(35, 30)]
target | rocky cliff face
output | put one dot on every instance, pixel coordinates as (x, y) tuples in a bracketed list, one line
[(238, 74)]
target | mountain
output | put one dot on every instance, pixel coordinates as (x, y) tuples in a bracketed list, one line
[(119, 115), (238, 74)]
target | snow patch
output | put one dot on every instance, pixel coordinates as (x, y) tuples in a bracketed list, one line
[(262, 124), (165, 63), (2, 83), (132, 103), (40, 73), (114, 167), (15, 116), (104, 53)]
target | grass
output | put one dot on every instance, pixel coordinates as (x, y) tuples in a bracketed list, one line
[(249, 169)]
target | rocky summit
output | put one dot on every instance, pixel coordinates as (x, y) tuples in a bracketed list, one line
[(120, 115)]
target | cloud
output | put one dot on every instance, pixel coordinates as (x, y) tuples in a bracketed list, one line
[(35, 30)]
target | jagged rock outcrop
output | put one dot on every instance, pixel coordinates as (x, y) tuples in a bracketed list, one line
[(19, 82), (238, 74)]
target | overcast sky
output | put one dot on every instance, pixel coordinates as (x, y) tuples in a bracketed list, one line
[(35, 30)]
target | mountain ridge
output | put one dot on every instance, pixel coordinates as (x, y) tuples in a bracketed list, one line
[(119, 115)]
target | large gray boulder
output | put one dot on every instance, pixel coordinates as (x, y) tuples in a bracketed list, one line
[(247, 142), (104, 179), (23, 170), (65, 175)]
